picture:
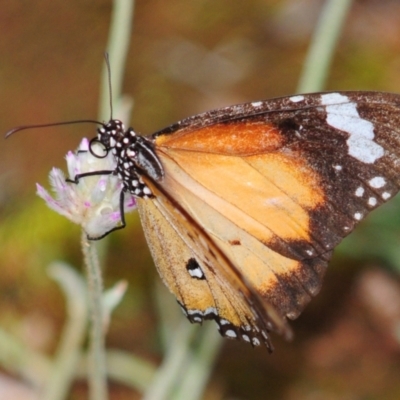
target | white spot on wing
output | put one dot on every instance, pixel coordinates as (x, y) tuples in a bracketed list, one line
[(357, 216), (342, 114), (377, 182), (372, 201), (359, 191), (245, 337), (230, 333), (196, 273), (257, 104), (338, 167), (386, 195), (296, 99), (210, 310)]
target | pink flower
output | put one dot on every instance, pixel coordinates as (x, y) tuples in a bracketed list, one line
[(93, 203)]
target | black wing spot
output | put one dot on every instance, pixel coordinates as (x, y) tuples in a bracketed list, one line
[(194, 269), (288, 124)]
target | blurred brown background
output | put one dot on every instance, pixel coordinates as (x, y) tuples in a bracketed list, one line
[(187, 57)]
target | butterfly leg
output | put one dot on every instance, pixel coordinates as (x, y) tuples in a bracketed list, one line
[(79, 176), (121, 200), (122, 216)]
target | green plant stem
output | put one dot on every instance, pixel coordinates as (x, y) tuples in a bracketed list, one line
[(200, 365), (173, 365), (190, 379), (70, 347), (97, 358), (117, 47), (323, 44), (118, 43)]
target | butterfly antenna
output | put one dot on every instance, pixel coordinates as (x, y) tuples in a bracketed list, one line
[(107, 58), (23, 127)]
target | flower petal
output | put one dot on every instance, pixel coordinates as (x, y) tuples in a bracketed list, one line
[(93, 202)]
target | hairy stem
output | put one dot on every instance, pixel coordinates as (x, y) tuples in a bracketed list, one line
[(97, 358)]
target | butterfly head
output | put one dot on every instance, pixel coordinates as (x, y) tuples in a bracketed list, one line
[(111, 133), (135, 156)]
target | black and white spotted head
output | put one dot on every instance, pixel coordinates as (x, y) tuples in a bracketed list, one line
[(111, 133), (135, 156)]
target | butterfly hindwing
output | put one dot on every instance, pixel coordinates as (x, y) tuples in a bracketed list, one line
[(172, 258), (205, 283)]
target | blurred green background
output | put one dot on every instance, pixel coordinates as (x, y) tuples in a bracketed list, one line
[(186, 57)]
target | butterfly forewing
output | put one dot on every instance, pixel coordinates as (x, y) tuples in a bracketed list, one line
[(334, 154)]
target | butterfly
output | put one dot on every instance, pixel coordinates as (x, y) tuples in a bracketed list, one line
[(242, 206)]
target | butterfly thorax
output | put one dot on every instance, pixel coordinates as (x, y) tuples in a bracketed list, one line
[(135, 157)]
